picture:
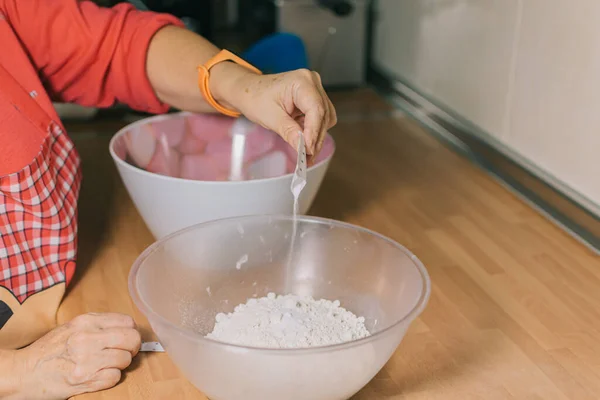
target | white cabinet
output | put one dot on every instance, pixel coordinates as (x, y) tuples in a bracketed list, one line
[(555, 108), (526, 72), (457, 51)]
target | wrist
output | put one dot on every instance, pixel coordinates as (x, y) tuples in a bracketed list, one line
[(226, 81), (11, 372)]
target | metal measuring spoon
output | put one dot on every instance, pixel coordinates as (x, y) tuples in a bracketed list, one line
[(299, 179)]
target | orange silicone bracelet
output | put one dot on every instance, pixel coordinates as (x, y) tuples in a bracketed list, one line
[(204, 74)]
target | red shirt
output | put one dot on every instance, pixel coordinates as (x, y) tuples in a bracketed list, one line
[(64, 51)]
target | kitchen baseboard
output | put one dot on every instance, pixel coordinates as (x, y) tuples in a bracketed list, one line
[(564, 206)]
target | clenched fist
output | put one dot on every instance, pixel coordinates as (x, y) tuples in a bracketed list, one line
[(84, 355)]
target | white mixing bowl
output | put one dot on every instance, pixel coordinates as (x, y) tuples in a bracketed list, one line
[(170, 203)]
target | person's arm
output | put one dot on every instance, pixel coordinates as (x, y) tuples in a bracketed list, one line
[(285, 103), (172, 60), (98, 56), (87, 54), (9, 381)]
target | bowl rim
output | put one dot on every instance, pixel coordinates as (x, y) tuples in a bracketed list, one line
[(150, 313), (142, 171)]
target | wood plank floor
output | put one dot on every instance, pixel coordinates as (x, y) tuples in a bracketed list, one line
[(515, 305)]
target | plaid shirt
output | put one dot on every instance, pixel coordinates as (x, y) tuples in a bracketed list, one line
[(82, 53)]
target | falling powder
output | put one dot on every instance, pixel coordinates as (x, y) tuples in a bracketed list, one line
[(288, 322)]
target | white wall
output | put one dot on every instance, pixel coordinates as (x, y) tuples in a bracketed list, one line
[(525, 71)]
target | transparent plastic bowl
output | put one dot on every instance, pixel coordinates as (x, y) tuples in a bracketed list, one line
[(182, 281)]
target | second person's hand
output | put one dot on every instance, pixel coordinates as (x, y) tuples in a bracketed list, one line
[(84, 355)]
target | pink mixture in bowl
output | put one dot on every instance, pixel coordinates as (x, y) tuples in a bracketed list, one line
[(198, 147)]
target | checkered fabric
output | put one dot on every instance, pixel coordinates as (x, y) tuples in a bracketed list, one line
[(38, 219)]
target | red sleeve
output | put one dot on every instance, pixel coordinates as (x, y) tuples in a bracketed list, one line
[(87, 54)]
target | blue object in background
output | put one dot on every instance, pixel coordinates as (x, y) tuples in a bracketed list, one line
[(280, 52)]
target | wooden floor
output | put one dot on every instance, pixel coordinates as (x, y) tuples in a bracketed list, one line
[(515, 304)]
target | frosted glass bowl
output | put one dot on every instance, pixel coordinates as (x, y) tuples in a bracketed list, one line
[(182, 281), (176, 169)]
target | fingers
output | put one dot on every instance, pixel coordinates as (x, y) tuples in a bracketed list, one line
[(330, 118), (105, 359), (301, 104), (286, 126), (91, 353), (308, 98), (330, 122), (104, 379), (105, 331), (103, 350), (113, 358), (104, 321), (118, 338), (324, 124)]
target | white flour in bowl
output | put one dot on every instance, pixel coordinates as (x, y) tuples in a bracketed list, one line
[(288, 322)]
